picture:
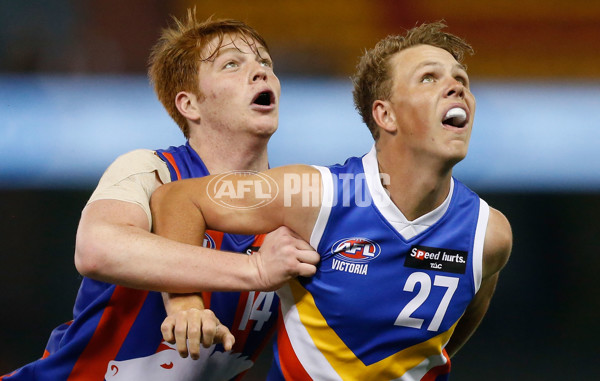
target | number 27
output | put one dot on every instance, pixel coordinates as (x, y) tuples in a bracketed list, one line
[(405, 320)]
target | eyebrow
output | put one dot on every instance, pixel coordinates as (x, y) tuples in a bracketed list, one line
[(435, 63), (260, 50)]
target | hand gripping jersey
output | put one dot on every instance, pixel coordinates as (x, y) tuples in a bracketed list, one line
[(115, 331), (388, 292)]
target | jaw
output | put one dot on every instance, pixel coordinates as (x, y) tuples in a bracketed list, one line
[(264, 124)]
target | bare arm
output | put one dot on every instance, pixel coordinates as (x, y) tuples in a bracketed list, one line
[(183, 210), (188, 324), (496, 251), (114, 243)]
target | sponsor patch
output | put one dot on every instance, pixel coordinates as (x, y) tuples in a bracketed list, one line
[(434, 258), (352, 255), (357, 250)]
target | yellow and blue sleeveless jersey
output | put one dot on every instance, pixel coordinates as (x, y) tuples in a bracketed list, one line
[(115, 332), (388, 292)]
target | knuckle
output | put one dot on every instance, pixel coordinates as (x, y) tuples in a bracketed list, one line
[(182, 314), (209, 314)]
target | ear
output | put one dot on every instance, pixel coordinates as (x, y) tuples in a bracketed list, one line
[(187, 105), (384, 116)]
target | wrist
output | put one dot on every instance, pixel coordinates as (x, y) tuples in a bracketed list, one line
[(181, 302), (255, 278)]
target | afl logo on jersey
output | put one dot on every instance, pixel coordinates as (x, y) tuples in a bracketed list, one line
[(209, 242), (356, 250)]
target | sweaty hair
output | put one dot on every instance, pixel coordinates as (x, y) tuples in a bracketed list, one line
[(372, 79), (175, 59)]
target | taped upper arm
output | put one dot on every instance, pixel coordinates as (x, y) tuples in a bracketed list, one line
[(132, 178)]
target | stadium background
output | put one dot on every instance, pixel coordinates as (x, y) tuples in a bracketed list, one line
[(73, 95)]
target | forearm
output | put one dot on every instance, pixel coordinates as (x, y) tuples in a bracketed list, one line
[(146, 261), (473, 316), (127, 254)]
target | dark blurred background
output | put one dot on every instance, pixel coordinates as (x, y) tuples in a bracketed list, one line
[(541, 167)]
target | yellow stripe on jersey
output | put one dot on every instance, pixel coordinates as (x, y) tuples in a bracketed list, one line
[(343, 360)]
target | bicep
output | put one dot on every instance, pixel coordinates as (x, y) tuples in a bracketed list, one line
[(498, 243), (115, 212)]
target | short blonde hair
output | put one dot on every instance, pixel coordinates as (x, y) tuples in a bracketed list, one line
[(175, 58), (372, 80)]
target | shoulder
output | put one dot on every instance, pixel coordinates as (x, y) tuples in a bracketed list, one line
[(293, 172), (140, 161), (498, 243), (132, 177)]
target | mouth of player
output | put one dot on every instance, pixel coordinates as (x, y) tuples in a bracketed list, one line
[(456, 117), (264, 99)]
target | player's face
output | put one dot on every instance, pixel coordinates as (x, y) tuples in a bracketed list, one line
[(432, 103), (240, 90)]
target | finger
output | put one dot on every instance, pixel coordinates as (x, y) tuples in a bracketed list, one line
[(181, 334), (166, 328), (306, 269), (209, 328), (309, 256), (224, 336), (193, 333)]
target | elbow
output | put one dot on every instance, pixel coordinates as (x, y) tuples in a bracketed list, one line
[(88, 254)]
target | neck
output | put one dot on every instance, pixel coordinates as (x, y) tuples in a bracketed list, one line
[(418, 185), (240, 154)]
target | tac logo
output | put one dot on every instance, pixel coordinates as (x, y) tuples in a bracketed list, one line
[(357, 250), (209, 242), (242, 189)]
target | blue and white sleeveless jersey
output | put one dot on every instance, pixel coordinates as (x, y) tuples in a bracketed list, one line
[(115, 332), (388, 292)]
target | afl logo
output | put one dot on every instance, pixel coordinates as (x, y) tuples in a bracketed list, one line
[(253, 189), (357, 250), (209, 242)]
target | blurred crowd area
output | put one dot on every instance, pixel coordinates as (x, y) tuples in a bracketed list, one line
[(536, 39)]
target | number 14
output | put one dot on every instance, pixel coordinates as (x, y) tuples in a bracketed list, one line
[(405, 320)]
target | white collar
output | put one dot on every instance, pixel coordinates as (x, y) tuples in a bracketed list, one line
[(407, 229)]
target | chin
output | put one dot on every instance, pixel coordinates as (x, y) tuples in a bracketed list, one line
[(457, 157), (454, 155), (265, 131)]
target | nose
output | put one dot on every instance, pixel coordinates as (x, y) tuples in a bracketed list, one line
[(456, 89), (259, 73)]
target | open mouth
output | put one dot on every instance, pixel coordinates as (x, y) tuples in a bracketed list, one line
[(455, 117), (263, 99)]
